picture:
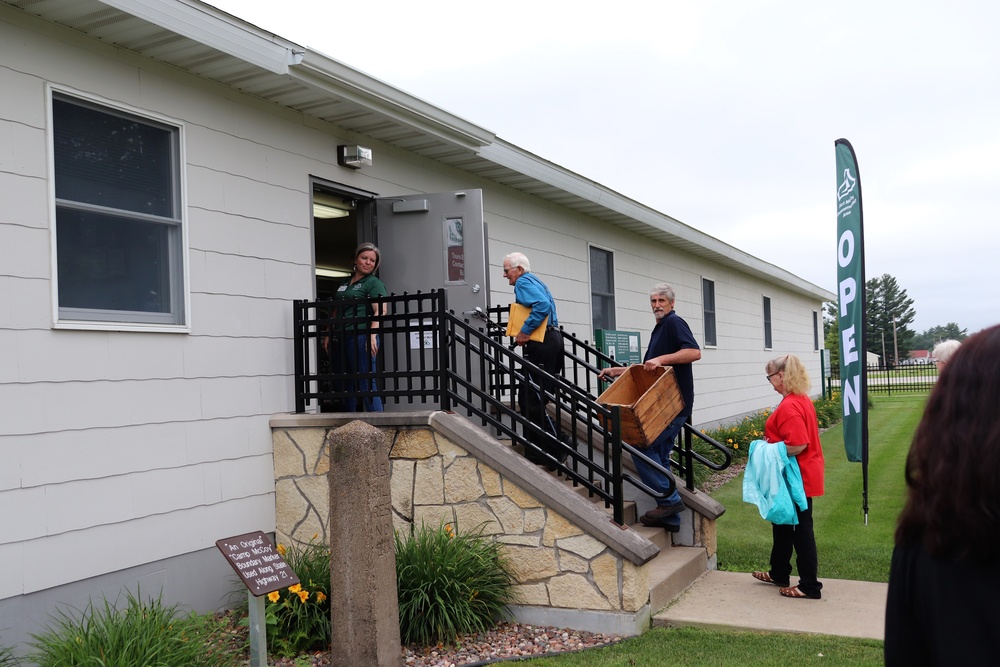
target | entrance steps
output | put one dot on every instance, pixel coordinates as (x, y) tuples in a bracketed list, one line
[(674, 570)]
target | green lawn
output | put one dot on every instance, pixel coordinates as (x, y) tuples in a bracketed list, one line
[(848, 549), (693, 647)]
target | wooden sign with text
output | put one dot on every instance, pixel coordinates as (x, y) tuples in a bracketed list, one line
[(258, 564)]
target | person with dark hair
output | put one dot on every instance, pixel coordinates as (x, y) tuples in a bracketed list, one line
[(944, 582), (670, 344), (359, 340), (794, 423)]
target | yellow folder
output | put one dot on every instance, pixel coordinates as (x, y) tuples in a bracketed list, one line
[(515, 320)]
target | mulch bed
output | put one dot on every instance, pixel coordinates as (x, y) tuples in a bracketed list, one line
[(507, 641)]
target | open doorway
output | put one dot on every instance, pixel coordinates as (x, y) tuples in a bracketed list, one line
[(341, 220)]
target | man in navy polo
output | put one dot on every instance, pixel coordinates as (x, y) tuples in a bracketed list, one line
[(670, 344)]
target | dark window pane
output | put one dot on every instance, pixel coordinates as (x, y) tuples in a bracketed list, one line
[(112, 160), (708, 299), (110, 263), (767, 323), (600, 271), (603, 313)]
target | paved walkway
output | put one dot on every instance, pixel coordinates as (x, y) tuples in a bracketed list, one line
[(737, 601)]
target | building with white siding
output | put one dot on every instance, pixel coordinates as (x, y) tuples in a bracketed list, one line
[(145, 328)]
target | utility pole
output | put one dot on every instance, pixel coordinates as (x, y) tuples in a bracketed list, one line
[(895, 347)]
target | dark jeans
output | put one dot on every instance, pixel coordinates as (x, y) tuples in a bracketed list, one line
[(801, 539), (547, 355), (659, 451), (358, 358)]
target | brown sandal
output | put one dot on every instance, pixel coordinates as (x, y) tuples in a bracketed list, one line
[(794, 592), (765, 577)]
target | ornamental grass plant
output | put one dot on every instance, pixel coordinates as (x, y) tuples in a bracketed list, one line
[(449, 584), (146, 633), (7, 657)]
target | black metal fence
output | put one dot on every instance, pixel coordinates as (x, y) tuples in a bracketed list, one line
[(901, 379), (430, 358)]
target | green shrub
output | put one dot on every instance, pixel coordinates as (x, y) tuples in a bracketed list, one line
[(143, 633), (298, 617), (449, 584)]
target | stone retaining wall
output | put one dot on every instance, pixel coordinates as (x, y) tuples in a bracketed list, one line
[(434, 481)]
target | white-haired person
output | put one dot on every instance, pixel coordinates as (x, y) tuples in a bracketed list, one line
[(942, 352), (547, 354)]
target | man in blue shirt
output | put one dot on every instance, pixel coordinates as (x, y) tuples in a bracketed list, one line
[(547, 354), (670, 344)]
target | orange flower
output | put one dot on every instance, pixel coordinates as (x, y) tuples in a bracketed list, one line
[(296, 588), (320, 597), (274, 596), (281, 548), (303, 595)]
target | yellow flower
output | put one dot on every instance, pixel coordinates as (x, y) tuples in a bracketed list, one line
[(281, 548), (303, 595), (320, 597), (315, 535), (296, 588), (736, 446), (730, 441), (274, 596)]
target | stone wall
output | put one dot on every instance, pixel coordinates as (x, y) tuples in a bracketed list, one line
[(434, 481)]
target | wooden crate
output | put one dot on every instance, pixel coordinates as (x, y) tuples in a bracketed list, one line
[(649, 401)]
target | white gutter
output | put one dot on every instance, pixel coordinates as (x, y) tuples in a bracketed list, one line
[(216, 29)]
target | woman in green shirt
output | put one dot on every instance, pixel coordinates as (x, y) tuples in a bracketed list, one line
[(359, 338)]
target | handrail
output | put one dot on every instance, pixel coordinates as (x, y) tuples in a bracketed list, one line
[(433, 356), (585, 362)]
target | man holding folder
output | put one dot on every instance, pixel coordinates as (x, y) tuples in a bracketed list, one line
[(545, 350)]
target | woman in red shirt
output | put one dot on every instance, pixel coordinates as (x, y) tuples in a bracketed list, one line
[(794, 423)]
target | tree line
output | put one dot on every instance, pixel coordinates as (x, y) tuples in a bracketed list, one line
[(890, 314)]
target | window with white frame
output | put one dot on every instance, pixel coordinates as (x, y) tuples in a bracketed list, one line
[(119, 246), (767, 323), (708, 308), (602, 288)]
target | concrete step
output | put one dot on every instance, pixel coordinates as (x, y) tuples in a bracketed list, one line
[(657, 536), (673, 572)]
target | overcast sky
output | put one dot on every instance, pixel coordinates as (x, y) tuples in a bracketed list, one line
[(723, 114)]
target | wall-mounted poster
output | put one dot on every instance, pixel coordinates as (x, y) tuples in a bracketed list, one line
[(455, 248)]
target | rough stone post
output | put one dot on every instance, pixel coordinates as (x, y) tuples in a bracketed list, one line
[(364, 607)]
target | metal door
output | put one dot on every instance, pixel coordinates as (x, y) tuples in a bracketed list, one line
[(430, 241)]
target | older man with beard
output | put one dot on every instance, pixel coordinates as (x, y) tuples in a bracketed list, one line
[(670, 344)]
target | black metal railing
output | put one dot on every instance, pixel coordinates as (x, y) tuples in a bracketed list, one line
[(904, 378), (584, 362), (431, 358)]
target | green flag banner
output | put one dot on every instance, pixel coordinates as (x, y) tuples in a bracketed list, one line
[(851, 304)]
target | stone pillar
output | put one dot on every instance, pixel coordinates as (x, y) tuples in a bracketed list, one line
[(364, 607)]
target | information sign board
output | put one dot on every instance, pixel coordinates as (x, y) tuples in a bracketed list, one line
[(258, 564)]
